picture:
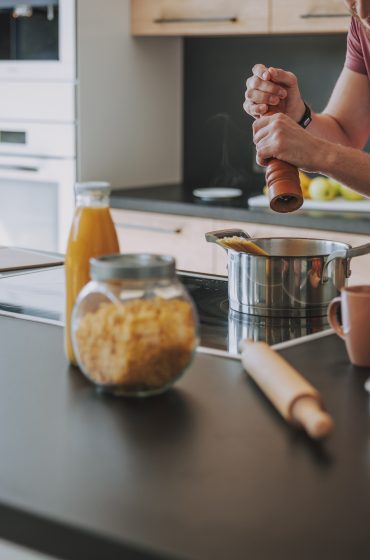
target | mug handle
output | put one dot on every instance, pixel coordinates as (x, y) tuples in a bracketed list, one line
[(332, 316)]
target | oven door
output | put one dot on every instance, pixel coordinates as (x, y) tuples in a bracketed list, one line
[(36, 202), (48, 140), (37, 39)]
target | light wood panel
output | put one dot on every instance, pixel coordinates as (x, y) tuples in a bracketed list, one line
[(309, 16), (198, 17), (233, 17), (179, 236)]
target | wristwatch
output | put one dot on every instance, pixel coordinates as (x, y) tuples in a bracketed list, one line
[(306, 118)]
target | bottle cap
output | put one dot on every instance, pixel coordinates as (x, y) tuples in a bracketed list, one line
[(134, 266), (92, 186)]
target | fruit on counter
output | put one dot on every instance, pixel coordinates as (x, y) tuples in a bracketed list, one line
[(350, 194), (305, 183), (304, 179), (321, 188), (336, 184), (346, 192)]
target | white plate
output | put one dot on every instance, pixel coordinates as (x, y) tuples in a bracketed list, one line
[(217, 192)]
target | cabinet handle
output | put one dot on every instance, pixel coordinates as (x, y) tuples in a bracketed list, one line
[(20, 168), (9, 167), (328, 15), (157, 229), (216, 19)]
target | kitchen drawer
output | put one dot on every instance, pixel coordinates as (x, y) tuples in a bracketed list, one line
[(360, 266), (198, 17), (179, 236), (309, 16)]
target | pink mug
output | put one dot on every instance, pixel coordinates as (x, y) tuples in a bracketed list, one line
[(354, 303)]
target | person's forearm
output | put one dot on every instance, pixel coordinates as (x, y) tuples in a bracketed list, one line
[(345, 164), (326, 127)]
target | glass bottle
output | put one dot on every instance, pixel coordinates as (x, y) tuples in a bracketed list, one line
[(92, 234)]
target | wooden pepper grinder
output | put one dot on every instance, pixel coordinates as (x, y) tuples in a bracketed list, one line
[(282, 179)]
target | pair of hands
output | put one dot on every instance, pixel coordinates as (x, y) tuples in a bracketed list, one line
[(278, 135)]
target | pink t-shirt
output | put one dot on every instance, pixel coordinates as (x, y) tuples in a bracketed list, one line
[(358, 49)]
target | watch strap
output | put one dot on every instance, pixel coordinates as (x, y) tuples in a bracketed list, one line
[(306, 117)]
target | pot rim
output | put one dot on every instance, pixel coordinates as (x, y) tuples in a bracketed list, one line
[(339, 244)]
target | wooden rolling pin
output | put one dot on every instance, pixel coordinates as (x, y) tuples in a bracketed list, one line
[(282, 179), (296, 400)]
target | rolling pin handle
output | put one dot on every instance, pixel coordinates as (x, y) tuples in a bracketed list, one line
[(293, 396), (307, 412)]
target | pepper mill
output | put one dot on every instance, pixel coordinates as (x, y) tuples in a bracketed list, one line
[(282, 179)]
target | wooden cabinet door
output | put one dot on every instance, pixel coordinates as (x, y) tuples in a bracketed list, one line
[(179, 236), (198, 17), (309, 16), (360, 266)]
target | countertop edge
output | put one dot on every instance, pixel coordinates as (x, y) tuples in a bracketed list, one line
[(45, 535), (349, 222)]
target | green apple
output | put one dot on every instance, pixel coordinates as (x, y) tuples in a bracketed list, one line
[(350, 194), (321, 189), (335, 184), (345, 191)]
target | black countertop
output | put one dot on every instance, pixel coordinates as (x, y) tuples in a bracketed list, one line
[(208, 470), (178, 199)]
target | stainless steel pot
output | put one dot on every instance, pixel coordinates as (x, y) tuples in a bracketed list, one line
[(298, 278), (272, 330)]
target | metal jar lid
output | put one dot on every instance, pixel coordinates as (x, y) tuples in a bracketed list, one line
[(134, 266), (92, 186)]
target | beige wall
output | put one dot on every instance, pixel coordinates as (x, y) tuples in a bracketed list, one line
[(129, 105)]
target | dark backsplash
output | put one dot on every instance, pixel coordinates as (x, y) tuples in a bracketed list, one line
[(218, 147)]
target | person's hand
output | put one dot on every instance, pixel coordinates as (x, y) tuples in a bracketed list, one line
[(268, 86), (280, 137)]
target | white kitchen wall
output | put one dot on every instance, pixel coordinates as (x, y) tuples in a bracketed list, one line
[(129, 99)]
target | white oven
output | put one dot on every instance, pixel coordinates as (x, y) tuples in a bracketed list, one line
[(37, 122), (37, 176), (37, 40)]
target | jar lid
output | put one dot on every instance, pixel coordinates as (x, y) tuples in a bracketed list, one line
[(133, 266), (92, 186)]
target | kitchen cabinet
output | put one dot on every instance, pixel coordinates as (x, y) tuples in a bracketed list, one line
[(198, 17), (308, 16), (180, 236), (360, 266), (237, 17)]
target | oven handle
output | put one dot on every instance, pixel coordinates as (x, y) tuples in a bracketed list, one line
[(19, 168)]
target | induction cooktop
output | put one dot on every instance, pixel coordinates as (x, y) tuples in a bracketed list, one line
[(39, 295)]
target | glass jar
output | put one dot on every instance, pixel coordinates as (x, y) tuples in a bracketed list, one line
[(134, 326), (92, 234)]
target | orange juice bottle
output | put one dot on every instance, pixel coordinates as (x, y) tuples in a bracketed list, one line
[(92, 234)]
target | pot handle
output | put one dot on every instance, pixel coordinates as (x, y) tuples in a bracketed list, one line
[(345, 254), (214, 236), (358, 251)]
